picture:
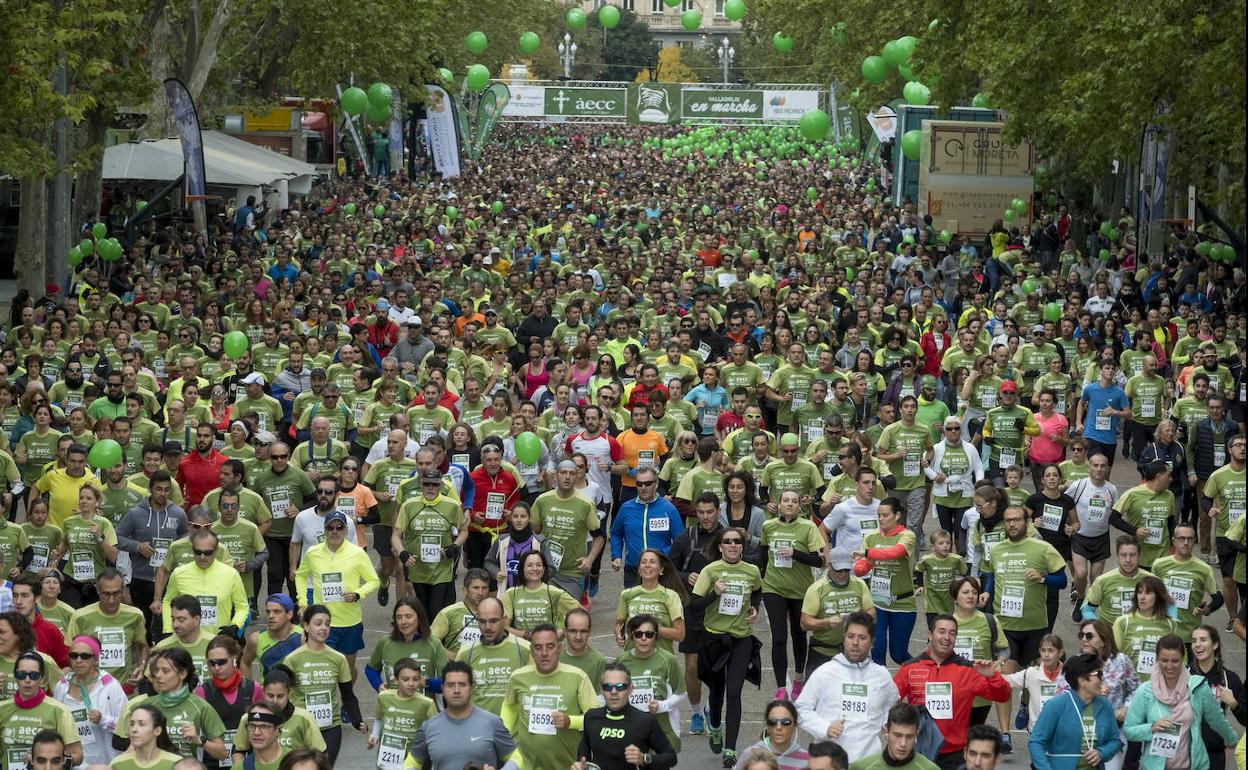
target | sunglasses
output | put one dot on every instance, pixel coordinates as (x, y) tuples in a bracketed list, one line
[(1087, 635), (734, 541), (327, 492), (953, 428), (81, 656), (781, 722), (336, 528), (33, 676), (614, 686), (646, 483), (279, 457), (196, 525), (645, 634), (199, 552), (218, 662)]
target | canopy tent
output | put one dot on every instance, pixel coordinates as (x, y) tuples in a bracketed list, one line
[(229, 162)]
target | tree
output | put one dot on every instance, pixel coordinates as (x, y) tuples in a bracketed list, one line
[(671, 68), (629, 48)]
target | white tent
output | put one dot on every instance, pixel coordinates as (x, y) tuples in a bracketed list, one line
[(228, 162)]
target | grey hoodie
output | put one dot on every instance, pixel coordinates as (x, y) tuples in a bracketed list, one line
[(142, 524)]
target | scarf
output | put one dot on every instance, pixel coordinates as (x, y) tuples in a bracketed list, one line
[(1178, 699), (171, 700), (84, 689), (32, 701), (229, 684)]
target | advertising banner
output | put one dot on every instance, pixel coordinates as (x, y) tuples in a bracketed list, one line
[(441, 133), (192, 142), (699, 104), (788, 105), (968, 174), (526, 102), (653, 103), (586, 102)]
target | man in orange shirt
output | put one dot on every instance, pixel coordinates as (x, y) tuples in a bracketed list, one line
[(643, 448)]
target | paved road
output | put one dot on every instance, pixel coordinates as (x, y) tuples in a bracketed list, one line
[(696, 752)]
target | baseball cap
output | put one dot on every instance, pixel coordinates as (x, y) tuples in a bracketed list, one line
[(1037, 329), (282, 600), (487, 260), (255, 378), (414, 321), (790, 440), (383, 304), (338, 516), (840, 558), (172, 448), (318, 373), (928, 381), (495, 250), (431, 474), (1009, 386), (265, 438), (489, 311)]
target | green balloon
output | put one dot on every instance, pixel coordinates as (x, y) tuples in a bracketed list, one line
[(980, 100), (916, 93), (350, 209), (1050, 199), (104, 454), (497, 207), (1114, 234), (1106, 227), (452, 213), (379, 95), (1029, 286), (945, 236), (1019, 205), (905, 46), (908, 238), (478, 76), (575, 18), (811, 193), (99, 230), (592, 219), (378, 113), (912, 144), (608, 16), (1008, 215), (354, 100), (1103, 254), (529, 43), (734, 10), (671, 3), (87, 247), (1041, 170), (691, 19), (235, 344), (892, 53), (906, 72), (447, 76), (75, 256), (814, 124), (140, 206), (114, 250), (528, 448), (874, 69), (1052, 312), (476, 43), (782, 42), (379, 211)]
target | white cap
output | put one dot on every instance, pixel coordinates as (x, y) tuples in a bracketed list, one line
[(255, 378)]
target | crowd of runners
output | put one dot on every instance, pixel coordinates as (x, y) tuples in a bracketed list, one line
[(738, 385)]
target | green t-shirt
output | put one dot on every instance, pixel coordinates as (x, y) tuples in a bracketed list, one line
[(938, 574), (1018, 602), (118, 502), (400, 719), (39, 450), (385, 475), (674, 470), (84, 555), (1146, 509), (824, 599), (1189, 583), (727, 613), (1072, 471), (117, 634), (1113, 592), (1137, 636), (955, 465), (592, 662), (891, 581), (282, 492), (128, 760), (661, 602), (1225, 487), (1007, 439), (535, 697), (192, 710), (242, 541), (13, 543), (492, 669), (428, 653), (915, 440), (455, 626), (425, 528), (564, 525), (877, 762), (1147, 395), (530, 607), (785, 575), (319, 673), (698, 481), (801, 475), (656, 677), (795, 380), (197, 649)]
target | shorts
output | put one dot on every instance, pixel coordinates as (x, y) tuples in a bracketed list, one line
[(346, 639), (1094, 549), (1024, 646), (381, 540), (1228, 552), (693, 633)]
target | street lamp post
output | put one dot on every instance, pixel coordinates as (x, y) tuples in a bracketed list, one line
[(726, 54), (567, 54)]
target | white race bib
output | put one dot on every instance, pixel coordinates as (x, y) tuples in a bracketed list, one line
[(494, 507), (1154, 535), (964, 647), (554, 555), (392, 752), (82, 567), (1098, 510), (208, 611), (321, 706), (468, 635), (331, 587), (783, 562), (1012, 601), (1148, 407), (660, 524), (1103, 421), (161, 546), (939, 699), (1147, 658), (1180, 591), (640, 698), (814, 434), (855, 701), (1008, 457), (86, 735), (910, 466), (542, 715), (112, 647), (1166, 743), (39, 561), (731, 603), (1051, 517), (882, 587), (430, 549)]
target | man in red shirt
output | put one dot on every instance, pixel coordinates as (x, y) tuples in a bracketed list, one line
[(934, 344), (200, 471), (497, 490), (947, 684), (649, 383), (48, 638)]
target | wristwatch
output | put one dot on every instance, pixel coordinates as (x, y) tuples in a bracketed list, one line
[(647, 758)]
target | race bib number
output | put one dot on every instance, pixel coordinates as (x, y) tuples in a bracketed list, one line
[(704, 351), (426, 434), (85, 734), (855, 700), (1147, 657), (1219, 456), (331, 587), (868, 524), (939, 699), (829, 469), (278, 505), (1047, 691), (645, 458), (1098, 510), (799, 401), (82, 566), (964, 647), (1180, 591), (392, 752), (469, 634), (731, 603), (640, 698), (321, 706), (783, 562), (1103, 421), (988, 397), (1166, 743), (1051, 517), (554, 555), (430, 549), (1008, 457), (208, 610), (39, 559), (882, 588), (910, 466), (1154, 535), (1012, 601), (1125, 597), (161, 547), (814, 434), (709, 418), (1234, 513), (542, 715), (1148, 407), (112, 647), (660, 524), (494, 507)]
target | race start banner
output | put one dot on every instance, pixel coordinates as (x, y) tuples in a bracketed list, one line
[(642, 103)]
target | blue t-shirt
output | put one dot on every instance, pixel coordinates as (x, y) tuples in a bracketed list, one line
[(1103, 430), (716, 401)]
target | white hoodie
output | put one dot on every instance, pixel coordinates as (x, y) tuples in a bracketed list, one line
[(824, 701)]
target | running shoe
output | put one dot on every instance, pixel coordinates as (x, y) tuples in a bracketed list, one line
[(1230, 624), (781, 694), (730, 758), (383, 595), (1007, 744), (796, 689), (716, 737), (697, 723), (586, 603)]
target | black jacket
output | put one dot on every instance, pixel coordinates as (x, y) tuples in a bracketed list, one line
[(606, 734), (1203, 444)]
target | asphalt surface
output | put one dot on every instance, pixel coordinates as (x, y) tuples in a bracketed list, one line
[(696, 751)]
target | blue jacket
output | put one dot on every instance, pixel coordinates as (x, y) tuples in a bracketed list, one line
[(1145, 709), (1056, 742), (638, 526)]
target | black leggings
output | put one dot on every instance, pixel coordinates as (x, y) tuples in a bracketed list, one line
[(726, 681), (278, 568), (435, 597), (815, 659), (778, 607), (333, 742), (951, 522)]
